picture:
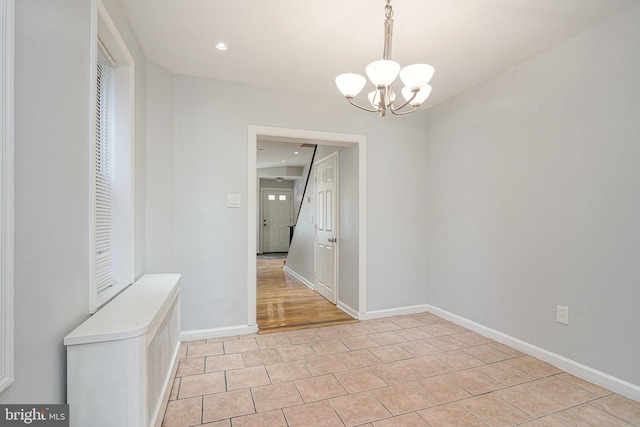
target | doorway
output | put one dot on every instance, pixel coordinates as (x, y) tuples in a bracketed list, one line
[(355, 290)]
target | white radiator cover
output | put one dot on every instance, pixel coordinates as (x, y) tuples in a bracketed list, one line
[(122, 360)]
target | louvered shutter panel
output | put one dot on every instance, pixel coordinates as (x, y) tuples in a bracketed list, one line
[(103, 170)]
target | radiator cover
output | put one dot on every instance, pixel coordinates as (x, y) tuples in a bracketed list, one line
[(122, 360)]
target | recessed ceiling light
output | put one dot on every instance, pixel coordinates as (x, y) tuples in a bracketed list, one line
[(284, 161), (221, 46), (295, 152)]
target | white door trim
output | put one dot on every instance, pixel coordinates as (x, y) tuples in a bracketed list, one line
[(7, 61), (337, 139)]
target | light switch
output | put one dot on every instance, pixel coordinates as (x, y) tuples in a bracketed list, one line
[(233, 200), (311, 218)]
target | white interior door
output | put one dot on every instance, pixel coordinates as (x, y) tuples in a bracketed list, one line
[(327, 227), (277, 211)]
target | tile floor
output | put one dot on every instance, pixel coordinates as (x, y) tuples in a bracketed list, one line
[(414, 370)]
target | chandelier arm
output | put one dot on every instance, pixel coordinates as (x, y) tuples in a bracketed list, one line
[(415, 93), (402, 113), (350, 99)]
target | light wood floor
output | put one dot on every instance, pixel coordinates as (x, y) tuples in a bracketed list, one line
[(283, 303)]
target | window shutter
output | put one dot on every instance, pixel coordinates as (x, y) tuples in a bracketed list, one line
[(103, 169)]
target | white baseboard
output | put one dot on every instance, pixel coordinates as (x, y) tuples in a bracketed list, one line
[(376, 314), (201, 334), (347, 309), (307, 283), (602, 379)]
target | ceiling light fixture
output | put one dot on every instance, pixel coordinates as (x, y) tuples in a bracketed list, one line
[(221, 46), (382, 73)]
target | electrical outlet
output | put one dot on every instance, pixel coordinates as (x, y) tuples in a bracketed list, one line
[(562, 314)]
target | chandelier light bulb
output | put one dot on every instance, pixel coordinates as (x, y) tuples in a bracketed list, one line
[(421, 96), (350, 84), (382, 72), (416, 75)]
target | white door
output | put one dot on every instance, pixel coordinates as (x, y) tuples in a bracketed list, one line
[(277, 210), (326, 227)]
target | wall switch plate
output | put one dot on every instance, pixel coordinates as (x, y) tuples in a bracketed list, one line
[(562, 314), (233, 200)]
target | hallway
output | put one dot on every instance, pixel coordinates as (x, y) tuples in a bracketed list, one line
[(284, 304)]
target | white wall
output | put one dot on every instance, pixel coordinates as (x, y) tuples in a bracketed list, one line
[(212, 120), (52, 132), (534, 200)]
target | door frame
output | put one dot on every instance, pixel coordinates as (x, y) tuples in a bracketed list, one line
[(261, 209), (323, 138)]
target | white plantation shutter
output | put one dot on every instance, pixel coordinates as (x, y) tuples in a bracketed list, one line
[(103, 170)]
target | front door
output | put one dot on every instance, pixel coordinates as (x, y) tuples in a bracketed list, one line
[(327, 227), (277, 209)]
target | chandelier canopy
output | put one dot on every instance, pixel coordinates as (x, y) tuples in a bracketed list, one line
[(383, 73)]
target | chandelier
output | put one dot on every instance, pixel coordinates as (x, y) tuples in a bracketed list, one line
[(382, 74)]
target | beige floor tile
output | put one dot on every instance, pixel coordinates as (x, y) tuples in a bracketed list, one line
[(396, 372), (316, 414), (533, 366), (495, 411), (407, 322), (439, 329), (554, 420), (474, 381), (183, 352), (174, 389), (296, 352), (359, 329), (506, 349), (562, 391), (586, 415), (391, 353), (277, 339), (325, 365), (319, 388), (264, 419), (526, 398), (247, 377), (359, 359), (446, 343), (380, 325), (183, 413), (458, 359), (407, 420), (224, 362), (590, 387), (622, 407), (414, 334), (197, 385), (332, 333), (223, 423), (472, 338), (451, 415), (288, 371), (240, 346), (359, 408), (324, 348), (357, 380), (269, 356), (304, 336), (487, 353), (402, 398), (387, 338), (359, 342), (210, 349), (505, 374), (230, 404), (420, 348), (190, 367), (429, 366), (276, 396), (428, 318), (440, 390)]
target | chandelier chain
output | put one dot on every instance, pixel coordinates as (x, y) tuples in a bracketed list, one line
[(388, 10)]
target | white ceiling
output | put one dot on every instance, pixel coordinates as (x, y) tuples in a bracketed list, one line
[(302, 44), (276, 152)]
